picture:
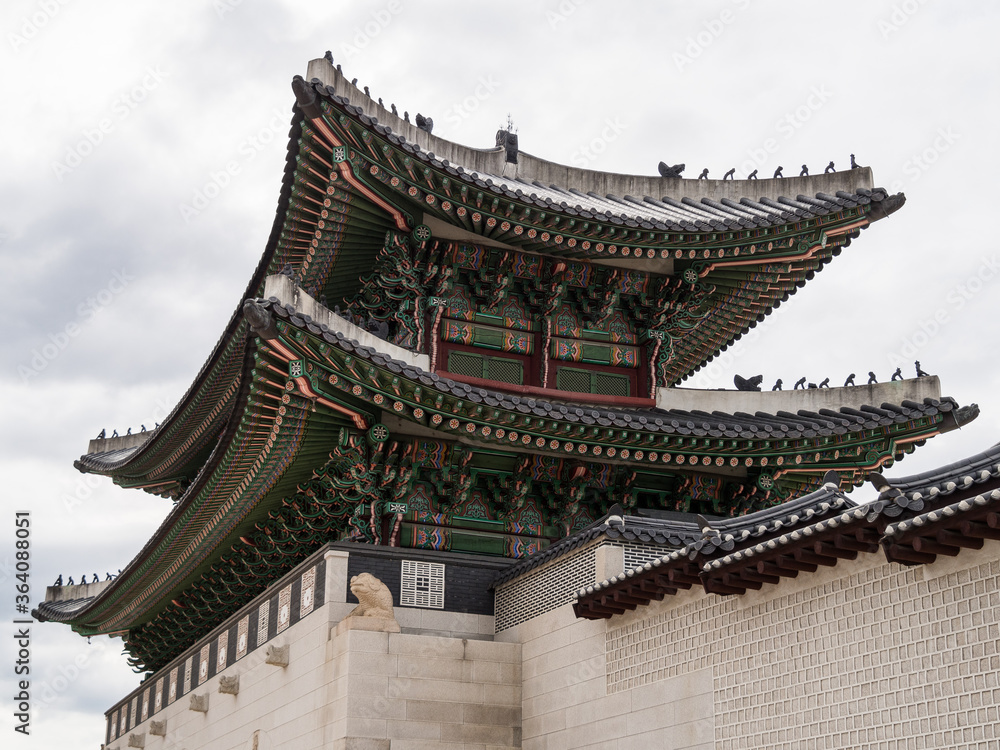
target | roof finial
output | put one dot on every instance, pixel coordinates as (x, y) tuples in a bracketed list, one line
[(671, 173), (425, 123), (829, 168)]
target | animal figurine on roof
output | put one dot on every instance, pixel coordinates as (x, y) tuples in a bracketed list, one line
[(748, 384), (704, 174), (670, 173), (729, 175), (425, 123)]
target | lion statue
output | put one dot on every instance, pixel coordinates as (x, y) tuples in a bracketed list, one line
[(374, 597)]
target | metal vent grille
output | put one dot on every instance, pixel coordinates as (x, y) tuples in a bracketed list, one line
[(470, 365), (422, 585), (569, 379), (504, 370), (610, 385)]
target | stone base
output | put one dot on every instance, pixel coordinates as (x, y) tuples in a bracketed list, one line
[(373, 624)]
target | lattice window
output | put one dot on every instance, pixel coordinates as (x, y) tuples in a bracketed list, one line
[(569, 379), (470, 365), (504, 370), (589, 381), (500, 369), (611, 385), (422, 585), (543, 590)]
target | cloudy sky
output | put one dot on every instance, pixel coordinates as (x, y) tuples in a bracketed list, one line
[(118, 115)]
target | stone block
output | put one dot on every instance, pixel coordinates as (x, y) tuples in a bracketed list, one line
[(229, 685), (374, 624), (158, 728), (430, 668), (485, 734), (437, 690), (424, 710), (476, 713), (199, 703), (137, 740), (375, 707), (598, 710), (602, 733), (361, 743), (544, 724), (493, 651), (277, 656), (336, 576), (413, 730), (501, 695), (373, 663), (427, 646)]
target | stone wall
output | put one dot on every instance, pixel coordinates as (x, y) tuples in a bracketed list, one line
[(318, 683), (418, 692), (865, 654)]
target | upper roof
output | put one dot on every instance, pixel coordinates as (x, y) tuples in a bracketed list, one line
[(744, 245)]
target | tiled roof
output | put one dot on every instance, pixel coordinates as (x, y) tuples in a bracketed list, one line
[(952, 477), (898, 523), (803, 424)]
